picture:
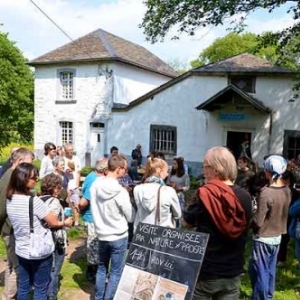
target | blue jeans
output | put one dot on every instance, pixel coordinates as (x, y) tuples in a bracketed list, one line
[(262, 270), (36, 272), (58, 260), (113, 252)]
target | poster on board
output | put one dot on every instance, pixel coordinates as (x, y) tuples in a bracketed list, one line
[(162, 264)]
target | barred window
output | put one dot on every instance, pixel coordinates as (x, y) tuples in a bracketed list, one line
[(67, 85), (163, 139), (291, 144), (66, 132)]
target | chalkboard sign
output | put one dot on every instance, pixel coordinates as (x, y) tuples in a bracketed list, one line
[(162, 264)]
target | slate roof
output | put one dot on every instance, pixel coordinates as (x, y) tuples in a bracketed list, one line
[(223, 96), (100, 45), (243, 63)]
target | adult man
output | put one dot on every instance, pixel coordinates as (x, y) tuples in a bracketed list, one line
[(114, 151), (223, 210), (72, 168), (92, 249), (10, 291), (269, 223), (111, 210), (136, 154)]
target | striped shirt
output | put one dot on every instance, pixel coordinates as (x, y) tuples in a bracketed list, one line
[(18, 214)]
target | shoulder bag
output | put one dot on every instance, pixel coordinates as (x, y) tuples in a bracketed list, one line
[(40, 246)]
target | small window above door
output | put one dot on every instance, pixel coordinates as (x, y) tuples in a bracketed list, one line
[(244, 83)]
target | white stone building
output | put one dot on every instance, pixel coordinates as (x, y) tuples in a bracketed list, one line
[(217, 104), (77, 85)]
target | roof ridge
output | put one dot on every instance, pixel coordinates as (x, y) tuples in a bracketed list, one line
[(102, 35)]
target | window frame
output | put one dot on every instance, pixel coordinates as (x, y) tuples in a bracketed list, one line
[(169, 128), (61, 133), (286, 147), (60, 99), (237, 77)]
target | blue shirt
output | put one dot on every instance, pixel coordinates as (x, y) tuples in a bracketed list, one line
[(87, 214)]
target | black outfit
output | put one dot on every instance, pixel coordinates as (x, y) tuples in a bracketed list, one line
[(137, 155), (224, 257)]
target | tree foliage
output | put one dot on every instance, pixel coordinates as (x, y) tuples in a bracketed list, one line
[(16, 94), (162, 15), (264, 46)]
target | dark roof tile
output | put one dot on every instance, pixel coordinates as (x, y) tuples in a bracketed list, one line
[(243, 63), (101, 45)]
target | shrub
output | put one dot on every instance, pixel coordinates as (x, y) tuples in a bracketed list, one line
[(85, 171)]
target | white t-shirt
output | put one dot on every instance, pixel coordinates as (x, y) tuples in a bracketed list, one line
[(77, 165), (18, 214), (46, 166)]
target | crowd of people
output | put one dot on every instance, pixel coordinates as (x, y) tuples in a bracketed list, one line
[(234, 199)]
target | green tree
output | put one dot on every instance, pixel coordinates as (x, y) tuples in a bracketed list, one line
[(16, 94), (188, 15), (264, 46), (230, 45)]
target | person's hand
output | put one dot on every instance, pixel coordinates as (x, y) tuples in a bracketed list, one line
[(68, 222)]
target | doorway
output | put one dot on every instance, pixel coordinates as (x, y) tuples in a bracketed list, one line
[(234, 142)]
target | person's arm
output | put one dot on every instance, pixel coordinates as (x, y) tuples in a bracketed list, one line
[(125, 205), (262, 209), (186, 185), (295, 209), (53, 222), (175, 206), (43, 213), (192, 213), (83, 204), (43, 168), (55, 207)]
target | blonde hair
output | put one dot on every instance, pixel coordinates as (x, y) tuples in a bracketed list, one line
[(153, 164), (222, 160)]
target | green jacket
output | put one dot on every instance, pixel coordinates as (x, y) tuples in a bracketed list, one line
[(5, 225)]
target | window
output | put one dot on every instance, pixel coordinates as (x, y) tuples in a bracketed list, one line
[(163, 139), (66, 132), (244, 83), (66, 84), (291, 145)]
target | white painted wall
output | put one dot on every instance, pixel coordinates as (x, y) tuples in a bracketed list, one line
[(131, 82), (197, 131), (95, 90)]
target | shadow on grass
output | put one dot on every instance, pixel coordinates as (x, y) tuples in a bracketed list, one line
[(78, 257)]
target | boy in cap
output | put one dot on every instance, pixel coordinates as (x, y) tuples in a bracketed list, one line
[(92, 246), (269, 223)]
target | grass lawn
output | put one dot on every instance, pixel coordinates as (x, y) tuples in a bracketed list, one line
[(74, 279)]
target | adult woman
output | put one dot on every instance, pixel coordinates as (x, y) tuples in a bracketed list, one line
[(59, 169), (46, 164), (269, 223), (146, 196), (179, 180), (31, 270), (51, 186)]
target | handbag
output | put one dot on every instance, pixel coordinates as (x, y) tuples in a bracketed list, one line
[(40, 245)]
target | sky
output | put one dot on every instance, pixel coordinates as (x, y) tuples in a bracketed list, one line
[(35, 35)]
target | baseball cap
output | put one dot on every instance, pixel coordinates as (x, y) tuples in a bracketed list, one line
[(275, 164)]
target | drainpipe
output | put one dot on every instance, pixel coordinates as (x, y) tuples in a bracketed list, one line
[(270, 132)]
